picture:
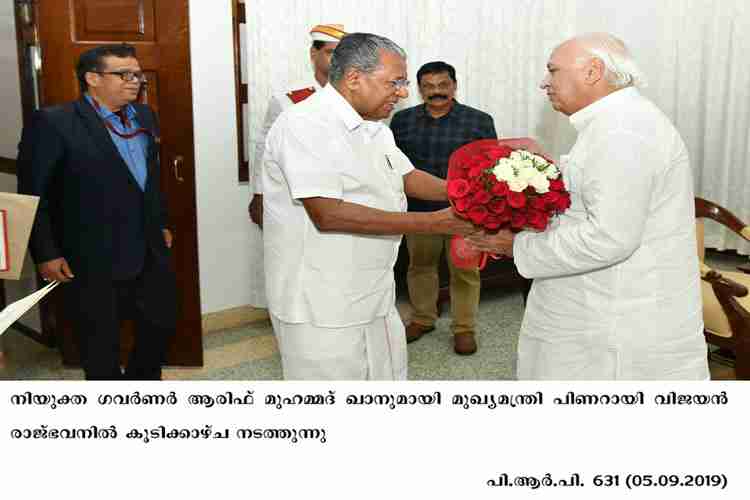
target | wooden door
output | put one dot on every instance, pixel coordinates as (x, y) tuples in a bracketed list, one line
[(159, 31)]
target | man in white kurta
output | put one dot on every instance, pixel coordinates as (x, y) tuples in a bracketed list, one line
[(324, 38), (616, 291), (334, 211)]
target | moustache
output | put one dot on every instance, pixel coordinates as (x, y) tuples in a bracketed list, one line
[(437, 96)]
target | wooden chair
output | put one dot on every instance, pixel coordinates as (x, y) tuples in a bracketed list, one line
[(726, 304)]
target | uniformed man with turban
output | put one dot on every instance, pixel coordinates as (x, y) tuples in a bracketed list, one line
[(325, 38)]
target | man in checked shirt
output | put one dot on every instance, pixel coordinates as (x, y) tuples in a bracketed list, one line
[(428, 134)]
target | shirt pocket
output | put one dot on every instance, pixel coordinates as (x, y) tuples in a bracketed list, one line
[(393, 173)]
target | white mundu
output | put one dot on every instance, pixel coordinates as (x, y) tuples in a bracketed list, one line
[(332, 281), (616, 291)]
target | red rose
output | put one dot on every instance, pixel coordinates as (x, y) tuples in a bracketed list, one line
[(458, 188), (538, 219), (481, 197), (461, 204), (484, 163), (518, 220), (475, 172), (497, 206), (505, 217), (497, 152), (500, 189), (475, 186), (556, 185), (516, 200), (538, 203), (550, 198), (459, 172), (477, 214), (563, 203), (492, 222)]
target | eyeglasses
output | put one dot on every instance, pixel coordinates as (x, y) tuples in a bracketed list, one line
[(127, 76), (401, 83)]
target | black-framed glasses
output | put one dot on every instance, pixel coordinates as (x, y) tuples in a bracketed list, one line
[(127, 76)]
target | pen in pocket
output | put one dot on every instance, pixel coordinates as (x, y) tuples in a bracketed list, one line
[(388, 160)]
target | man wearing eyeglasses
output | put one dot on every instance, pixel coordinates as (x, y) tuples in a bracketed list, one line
[(428, 134), (101, 226), (335, 187)]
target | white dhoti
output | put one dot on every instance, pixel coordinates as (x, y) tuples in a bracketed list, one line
[(373, 351)]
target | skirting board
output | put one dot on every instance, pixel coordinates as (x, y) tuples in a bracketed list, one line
[(232, 318)]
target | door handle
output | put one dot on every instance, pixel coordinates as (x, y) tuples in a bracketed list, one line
[(176, 163)]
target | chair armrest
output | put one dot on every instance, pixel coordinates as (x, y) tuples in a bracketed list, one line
[(724, 286), (710, 210)]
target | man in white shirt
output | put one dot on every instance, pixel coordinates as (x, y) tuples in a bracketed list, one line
[(335, 187), (616, 292), (324, 38)]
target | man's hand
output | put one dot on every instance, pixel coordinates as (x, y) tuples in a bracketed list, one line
[(56, 270), (255, 210), (447, 222), (168, 238), (500, 243)]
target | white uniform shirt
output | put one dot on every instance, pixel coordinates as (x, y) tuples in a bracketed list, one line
[(616, 290), (276, 105), (321, 147)]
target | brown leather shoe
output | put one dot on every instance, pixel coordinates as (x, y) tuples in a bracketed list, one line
[(415, 331), (464, 343)]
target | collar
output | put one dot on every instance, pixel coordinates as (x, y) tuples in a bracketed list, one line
[(581, 118), (352, 120), (105, 112)]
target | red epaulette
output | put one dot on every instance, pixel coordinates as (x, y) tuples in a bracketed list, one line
[(300, 95)]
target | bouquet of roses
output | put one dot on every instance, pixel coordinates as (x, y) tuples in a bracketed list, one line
[(497, 187)]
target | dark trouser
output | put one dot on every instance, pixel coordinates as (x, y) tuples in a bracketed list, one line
[(98, 307)]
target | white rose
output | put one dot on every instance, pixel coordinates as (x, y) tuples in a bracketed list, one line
[(539, 160), (516, 155), (540, 183), (517, 184), (526, 172), (504, 171), (551, 172)]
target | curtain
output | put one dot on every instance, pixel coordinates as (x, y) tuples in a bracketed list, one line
[(691, 51)]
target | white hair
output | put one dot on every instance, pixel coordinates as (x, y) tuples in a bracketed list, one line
[(621, 70)]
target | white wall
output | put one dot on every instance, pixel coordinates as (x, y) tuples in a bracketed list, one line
[(223, 225)]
